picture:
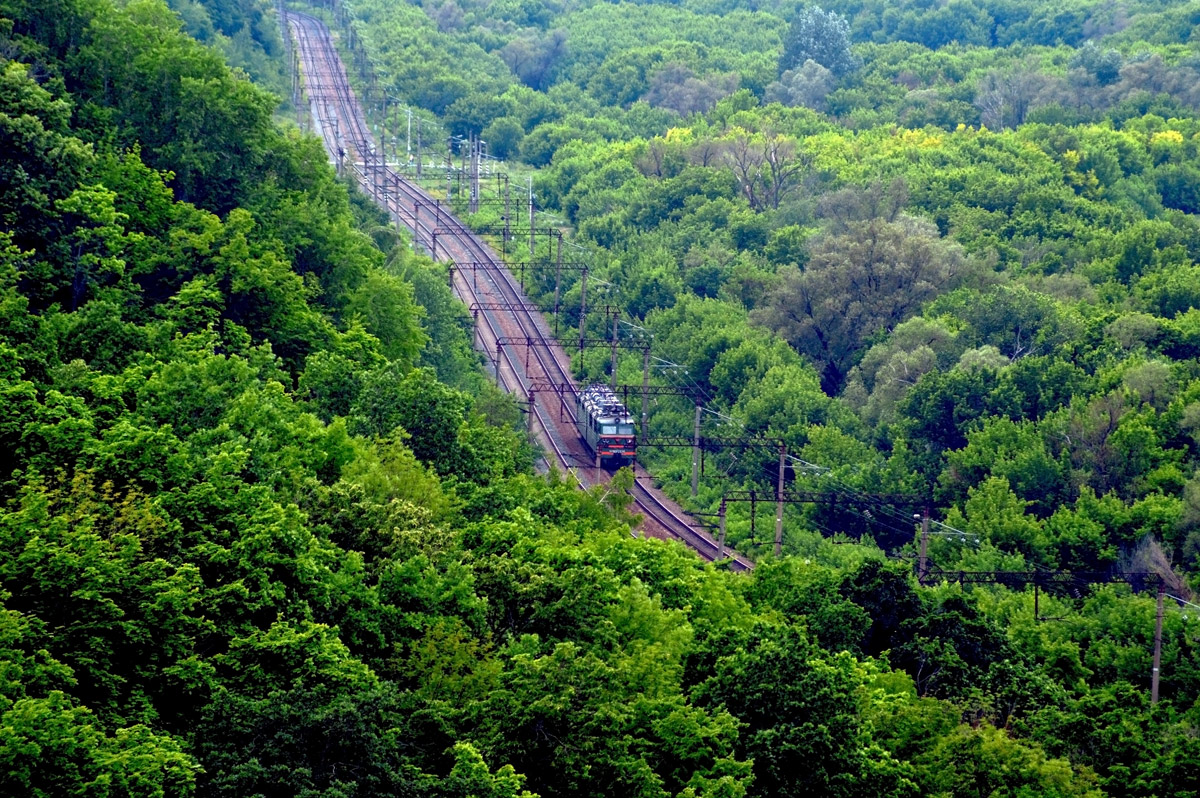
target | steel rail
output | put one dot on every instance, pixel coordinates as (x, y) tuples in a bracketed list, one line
[(326, 82), (683, 528), (357, 141)]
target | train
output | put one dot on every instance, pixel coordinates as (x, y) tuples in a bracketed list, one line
[(605, 425)]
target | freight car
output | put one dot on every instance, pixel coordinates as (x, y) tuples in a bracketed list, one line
[(605, 425)]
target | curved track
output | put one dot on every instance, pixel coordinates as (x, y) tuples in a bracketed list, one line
[(501, 310)]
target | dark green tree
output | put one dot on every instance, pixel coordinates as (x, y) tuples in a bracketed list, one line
[(428, 411), (802, 726), (860, 284)]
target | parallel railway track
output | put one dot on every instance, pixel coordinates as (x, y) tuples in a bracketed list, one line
[(501, 310)]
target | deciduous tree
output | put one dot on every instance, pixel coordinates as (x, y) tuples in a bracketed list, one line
[(819, 35), (860, 284)]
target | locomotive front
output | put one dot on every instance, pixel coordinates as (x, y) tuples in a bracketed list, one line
[(606, 426)]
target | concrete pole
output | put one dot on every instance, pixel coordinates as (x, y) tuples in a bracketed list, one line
[(696, 453), (297, 92), (476, 156), (558, 284), (582, 310), (923, 561), (396, 199), (779, 503), (721, 537), (1158, 620), (613, 380), (462, 166), (645, 388), (383, 130)]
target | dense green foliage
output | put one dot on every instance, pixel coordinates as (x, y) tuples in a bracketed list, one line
[(961, 290), (265, 530), (939, 249), (245, 31)]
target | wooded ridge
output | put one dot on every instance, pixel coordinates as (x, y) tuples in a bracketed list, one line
[(267, 529)]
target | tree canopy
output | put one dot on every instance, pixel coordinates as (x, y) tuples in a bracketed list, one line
[(265, 529)]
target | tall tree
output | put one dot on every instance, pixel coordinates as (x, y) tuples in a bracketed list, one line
[(766, 165), (819, 35), (858, 284)]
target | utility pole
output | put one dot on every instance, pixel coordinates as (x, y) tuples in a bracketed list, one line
[(462, 163), (646, 390), (367, 172), (696, 452), (396, 196), (1071, 580), (779, 502), (337, 139), (809, 497), (1158, 621), (418, 148), (383, 129), (616, 318), (531, 217), (506, 224), (475, 166), (286, 34), (923, 560), (721, 536), (582, 305), (298, 93), (557, 279), (283, 31), (476, 155)]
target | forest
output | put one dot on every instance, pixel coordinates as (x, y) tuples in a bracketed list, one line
[(267, 529)]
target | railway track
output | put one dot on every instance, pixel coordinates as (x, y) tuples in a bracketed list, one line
[(502, 313)]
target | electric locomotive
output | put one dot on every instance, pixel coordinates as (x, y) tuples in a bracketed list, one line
[(605, 425)]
